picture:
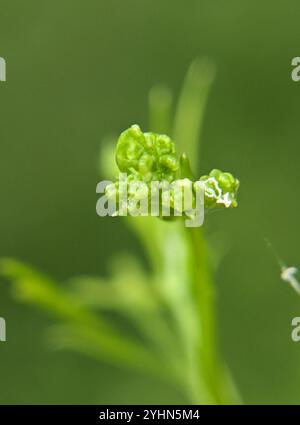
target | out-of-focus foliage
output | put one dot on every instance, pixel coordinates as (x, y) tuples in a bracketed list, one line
[(75, 73), (171, 308)]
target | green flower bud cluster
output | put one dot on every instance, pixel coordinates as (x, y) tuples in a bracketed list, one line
[(220, 188), (147, 158)]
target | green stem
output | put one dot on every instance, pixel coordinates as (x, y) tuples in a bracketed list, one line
[(210, 360)]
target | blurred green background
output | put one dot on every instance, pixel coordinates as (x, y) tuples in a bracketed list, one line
[(79, 70)]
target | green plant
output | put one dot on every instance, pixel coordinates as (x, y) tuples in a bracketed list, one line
[(172, 308), (151, 157)]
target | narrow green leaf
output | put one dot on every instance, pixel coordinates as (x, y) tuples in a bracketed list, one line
[(160, 109), (35, 288), (190, 109)]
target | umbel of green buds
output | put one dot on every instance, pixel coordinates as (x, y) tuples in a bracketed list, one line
[(220, 188), (148, 157)]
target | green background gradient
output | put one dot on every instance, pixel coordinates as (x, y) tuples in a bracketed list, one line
[(79, 70)]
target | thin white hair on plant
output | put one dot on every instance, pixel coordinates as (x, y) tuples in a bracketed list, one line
[(287, 273)]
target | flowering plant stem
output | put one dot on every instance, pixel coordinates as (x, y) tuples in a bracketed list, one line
[(206, 366), (205, 300), (172, 308)]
